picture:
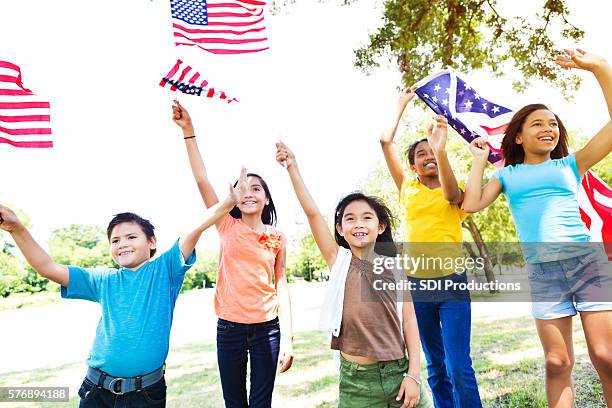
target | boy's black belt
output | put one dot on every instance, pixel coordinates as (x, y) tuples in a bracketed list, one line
[(119, 385)]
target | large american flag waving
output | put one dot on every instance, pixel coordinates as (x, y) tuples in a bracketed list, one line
[(24, 117), (472, 115)]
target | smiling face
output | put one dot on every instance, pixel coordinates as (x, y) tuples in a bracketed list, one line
[(425, 164), (255, 199), (359, 225), (539, 134), (129, 245)]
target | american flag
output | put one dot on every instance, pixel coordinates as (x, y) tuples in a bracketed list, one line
[(595, 199), (185, 79), (220, 26), (468, 112), (24, 117), (472, 115)]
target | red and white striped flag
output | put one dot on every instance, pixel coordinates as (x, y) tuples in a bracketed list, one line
[(595, 200), (220, 26), (185, 79), (24, 117)]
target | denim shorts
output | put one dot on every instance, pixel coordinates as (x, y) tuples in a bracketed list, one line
[(563, 288)]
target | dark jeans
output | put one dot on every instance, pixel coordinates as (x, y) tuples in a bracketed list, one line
[(94, 397), (444, 319), (236, 343)]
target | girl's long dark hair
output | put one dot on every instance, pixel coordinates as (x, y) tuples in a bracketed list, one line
[(513, 152), (384, 242), (268, 215)]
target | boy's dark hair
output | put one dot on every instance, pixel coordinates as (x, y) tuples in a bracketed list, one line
[(412, 150), (384, 242), (145, 225), (268, 215), (513, 152)]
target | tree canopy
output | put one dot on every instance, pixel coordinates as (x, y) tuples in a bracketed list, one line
[(422, 36)]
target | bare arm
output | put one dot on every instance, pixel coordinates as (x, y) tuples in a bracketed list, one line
[(182, 118), (34, 254), (322, 235), (477, 197), (601, 144), (392, 157), (410, 389), (437, 135), (284, 311)]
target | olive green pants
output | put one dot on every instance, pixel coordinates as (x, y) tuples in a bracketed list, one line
[(374, 385)]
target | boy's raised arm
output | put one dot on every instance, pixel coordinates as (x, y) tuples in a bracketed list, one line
[(34, 254), (213, 214)]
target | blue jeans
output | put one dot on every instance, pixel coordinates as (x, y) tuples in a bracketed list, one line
[(445, 319), (94, 397), (236, 343)]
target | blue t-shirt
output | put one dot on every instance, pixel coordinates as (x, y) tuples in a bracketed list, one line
[(133, 333), (543, 201)]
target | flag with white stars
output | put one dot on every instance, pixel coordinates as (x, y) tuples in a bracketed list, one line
[(468, 112), (220, 26), (187, 80)]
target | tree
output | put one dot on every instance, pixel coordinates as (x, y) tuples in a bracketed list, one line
[(82, 245), (421, 36), (308, 262)]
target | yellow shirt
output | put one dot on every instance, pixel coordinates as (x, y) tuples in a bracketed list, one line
[(430, 219)]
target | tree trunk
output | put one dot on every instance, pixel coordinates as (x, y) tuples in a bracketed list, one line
[(482, 249)]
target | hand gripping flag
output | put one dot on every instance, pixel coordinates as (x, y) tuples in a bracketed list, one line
[(220, 26), (183, 78), (24, 117), (472, 115)]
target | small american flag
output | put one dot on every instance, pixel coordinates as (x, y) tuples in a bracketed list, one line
[(220, 26), (185, 79), (468, 112), (24, 117), (471, 115)]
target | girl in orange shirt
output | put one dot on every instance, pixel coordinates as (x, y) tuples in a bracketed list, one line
[(251, 295)]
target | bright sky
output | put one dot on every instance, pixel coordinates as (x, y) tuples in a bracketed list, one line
[(116, 148)]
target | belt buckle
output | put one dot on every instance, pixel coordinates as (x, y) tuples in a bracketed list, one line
[(112, 384)]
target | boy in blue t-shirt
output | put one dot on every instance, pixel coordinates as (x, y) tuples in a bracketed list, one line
[(126, 362)]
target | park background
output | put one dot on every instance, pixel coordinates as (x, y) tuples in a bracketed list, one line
[(116, 150)]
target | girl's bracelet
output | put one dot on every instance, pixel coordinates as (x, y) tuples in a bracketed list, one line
[(416, 380), (189, 137)]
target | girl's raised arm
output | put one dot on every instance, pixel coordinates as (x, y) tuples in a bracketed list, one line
[(392, 157), (322, 235), (477, 197), (181, 117), (601, 144)]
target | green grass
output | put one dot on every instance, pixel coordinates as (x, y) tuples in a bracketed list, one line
[(22, 300), (506, 353)]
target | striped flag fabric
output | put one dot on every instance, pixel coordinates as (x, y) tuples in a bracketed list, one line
[(472, 115), (220, 26), (24, 117), (185, 79), (595, 199)]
